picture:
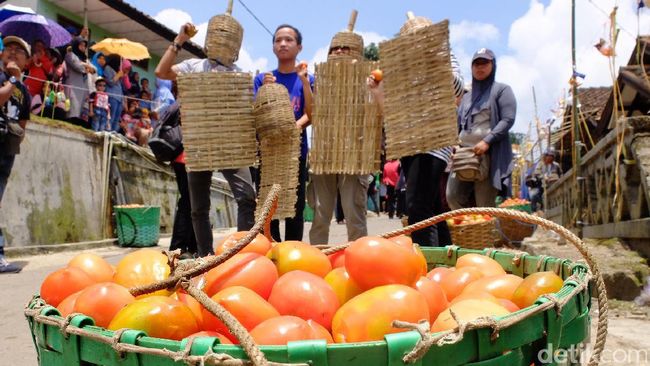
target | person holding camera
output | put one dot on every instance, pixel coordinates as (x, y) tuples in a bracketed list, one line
[(15, 102)]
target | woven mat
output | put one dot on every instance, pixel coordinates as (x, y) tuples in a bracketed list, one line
[(419, 110), (218, 123), (346, 126)]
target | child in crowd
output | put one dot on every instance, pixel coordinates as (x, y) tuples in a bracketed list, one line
[(145, 103), (98, 108)]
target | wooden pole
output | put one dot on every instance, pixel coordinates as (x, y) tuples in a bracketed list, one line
[(353, 20), (229, 9), (576, 126)]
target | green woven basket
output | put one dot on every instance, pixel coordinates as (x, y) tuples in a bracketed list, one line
[(137, 226), (517, 344)]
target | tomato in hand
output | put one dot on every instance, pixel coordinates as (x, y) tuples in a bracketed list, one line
[(250, 270), (95, 266), (260, 244), (306, 296), (534, 286), (142, 267), (344, 287), (102, 301), (298, 256), (62, 283), (487, 265), (370, 316)]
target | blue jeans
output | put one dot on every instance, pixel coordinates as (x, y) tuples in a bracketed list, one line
[(99, 120), (6, 163), (116, 112)]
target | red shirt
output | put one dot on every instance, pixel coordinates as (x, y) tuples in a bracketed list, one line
[(40, 72), (391, 174)]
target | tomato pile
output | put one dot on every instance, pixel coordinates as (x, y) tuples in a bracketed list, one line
[(292, 291), (468, 219), (514, 202)]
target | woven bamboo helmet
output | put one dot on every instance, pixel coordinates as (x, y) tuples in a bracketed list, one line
[(414, 23), (348, 38), (224, 37)]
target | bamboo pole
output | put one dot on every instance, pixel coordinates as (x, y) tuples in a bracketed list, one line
[(577, 142), (229, 9), (353, 20)]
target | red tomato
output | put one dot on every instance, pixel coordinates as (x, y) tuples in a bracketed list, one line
[(62, 283), (260, 244), (306, 296), (250, 270), (438, 273), (487, 265), (208, 333), (369, 316), (102, 301), (298, 256), (95, 266), (466, 311), (475, 295), (344, 287), (158, 316), (142, 267), (282, 329), (337, 259), (319, 332), (501, 286), (534, 286), (377, 74), (374, 261), (454, 282), (191, 303), (244, 304), (407, 242), (435, 296), (66, 306), (508, 305)]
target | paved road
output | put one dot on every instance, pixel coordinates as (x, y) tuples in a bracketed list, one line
[(16, 346)]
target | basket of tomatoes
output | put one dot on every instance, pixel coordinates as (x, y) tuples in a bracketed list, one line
[(474, 231), (379, 300), (512, 230)]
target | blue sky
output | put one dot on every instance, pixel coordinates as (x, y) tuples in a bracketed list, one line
[(531, 38)]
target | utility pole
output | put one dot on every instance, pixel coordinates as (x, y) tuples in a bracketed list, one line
[(577, 169)]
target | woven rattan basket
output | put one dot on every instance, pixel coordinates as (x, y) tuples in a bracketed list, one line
[(273, 111), (348, 38), (224, 37), (475, 236), (346, 137), (414, 23), (419, 111), (218, 123), (514, 231)]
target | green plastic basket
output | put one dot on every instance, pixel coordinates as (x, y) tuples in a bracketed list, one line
[(517, 344), (137, 226)]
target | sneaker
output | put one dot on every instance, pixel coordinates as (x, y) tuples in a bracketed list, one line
[(6, 267)]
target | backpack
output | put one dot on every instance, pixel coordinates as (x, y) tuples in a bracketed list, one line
[(166, 141)]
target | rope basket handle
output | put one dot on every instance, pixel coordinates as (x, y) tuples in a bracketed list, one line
[(603, 305)]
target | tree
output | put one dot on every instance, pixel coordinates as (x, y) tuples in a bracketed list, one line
[(517, 138), (371, 52)]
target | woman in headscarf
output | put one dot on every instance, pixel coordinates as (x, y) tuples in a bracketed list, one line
[(113, 74), (99, 61), (485, 116), (163, 96), (77, 70)]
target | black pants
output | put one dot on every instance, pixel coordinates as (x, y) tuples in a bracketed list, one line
[(294, 226), (390, 201), (183, 233), (340, 216), (423, 197)]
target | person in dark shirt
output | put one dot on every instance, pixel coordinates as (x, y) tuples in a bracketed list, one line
[(15, 102)]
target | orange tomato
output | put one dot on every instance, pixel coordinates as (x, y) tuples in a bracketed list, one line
[(158, 316), (467, 310), (66, 306), (377, 74), (260, 244), (434, 295), (303, 64), (319, 332), (369, 316), (208, 333), (250, 270), (487, 265), (102, 301), (62, 283), (476, 295), (95, 266), (282, 329), (374, 261), (438, 273), (454, 282), (295, 255), (534, 286), (337, 259), (142, 267), (193, 304), (501, 286), (508, 305), (306, 296), (407, 242), (244, 304), (344, 287)]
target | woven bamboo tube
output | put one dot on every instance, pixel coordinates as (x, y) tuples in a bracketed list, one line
[(346, 135), (273, 111), (419, 109), (414, 23), (224, 37), (348, 38), (218, 123)]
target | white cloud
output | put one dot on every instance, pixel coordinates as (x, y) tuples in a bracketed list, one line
[(247, 63), (467, 30), (173, 18), (372, 37)]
